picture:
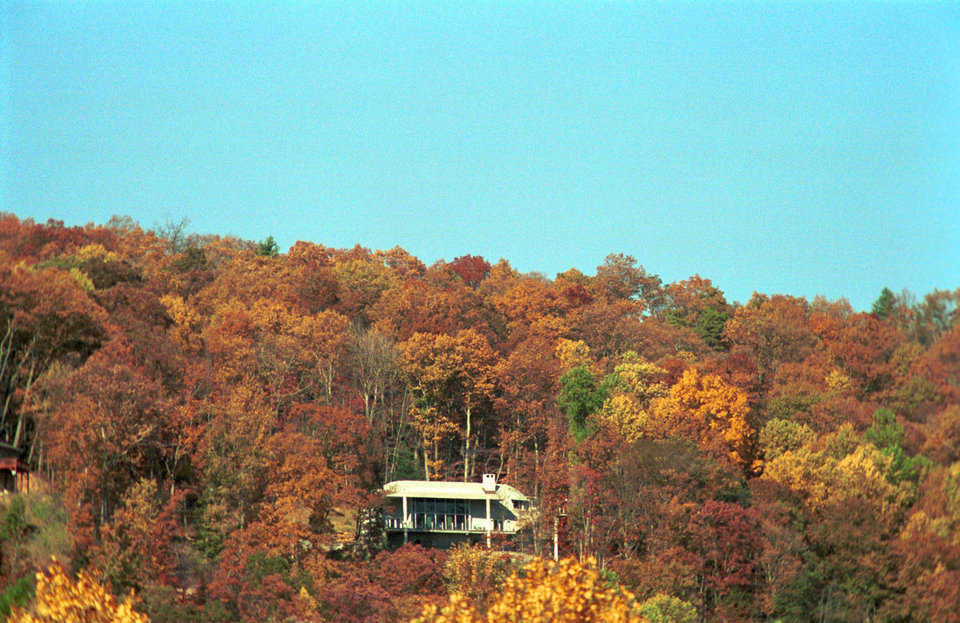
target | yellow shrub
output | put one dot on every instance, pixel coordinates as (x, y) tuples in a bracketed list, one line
[(60, 599), (565, 592)]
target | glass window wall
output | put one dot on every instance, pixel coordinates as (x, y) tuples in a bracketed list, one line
[(438, 514)]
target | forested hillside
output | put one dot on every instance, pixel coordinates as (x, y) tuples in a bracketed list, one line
[(204, 415)]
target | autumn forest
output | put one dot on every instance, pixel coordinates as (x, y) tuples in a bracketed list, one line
[(205, 418)]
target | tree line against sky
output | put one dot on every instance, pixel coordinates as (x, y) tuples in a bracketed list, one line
[(204, 415)]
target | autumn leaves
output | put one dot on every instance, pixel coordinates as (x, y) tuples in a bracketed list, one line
[(635, 401), (208, 415)]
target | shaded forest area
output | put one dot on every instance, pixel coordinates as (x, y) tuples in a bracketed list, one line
[(202, 415)]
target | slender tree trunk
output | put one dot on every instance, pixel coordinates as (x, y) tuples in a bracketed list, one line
[(466, 450), (26, 393), (30, 452), (536, 469), (366, 406), (426, 460), (6, 385)]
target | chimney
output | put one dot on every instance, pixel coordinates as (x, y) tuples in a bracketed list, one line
[(489, 483)]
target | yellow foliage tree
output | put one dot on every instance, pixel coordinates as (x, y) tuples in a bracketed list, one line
[(623, 413), (838, 382), (626, 409), (708, 410), (573, 353), (187, 322), (61, 599), (476, 573), (839, 477), (544, 592), (639, 377), (96, 251)]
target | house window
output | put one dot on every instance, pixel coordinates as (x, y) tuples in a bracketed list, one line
[(439, 514)]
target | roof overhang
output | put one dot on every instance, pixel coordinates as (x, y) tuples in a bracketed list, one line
[(448, 490)]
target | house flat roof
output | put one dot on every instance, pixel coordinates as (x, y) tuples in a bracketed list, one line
[(448, 490)]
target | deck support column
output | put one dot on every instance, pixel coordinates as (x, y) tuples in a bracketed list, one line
[(404, 520), (489, 523), (556, 538)]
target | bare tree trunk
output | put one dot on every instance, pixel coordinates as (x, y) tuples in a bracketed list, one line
[(6, 350), (466, 450), (426, 464), (30, 452), (10, 373), (556, 538), (327, 378), (536, 468), (26, 393), (426, 455)]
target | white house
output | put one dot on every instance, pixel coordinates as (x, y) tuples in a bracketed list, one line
[(439, 514)]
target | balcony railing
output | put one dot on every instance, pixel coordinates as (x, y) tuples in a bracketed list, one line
[(430, 522)]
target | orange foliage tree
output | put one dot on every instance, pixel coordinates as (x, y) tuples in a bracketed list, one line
[(451, 375), (710, 411)]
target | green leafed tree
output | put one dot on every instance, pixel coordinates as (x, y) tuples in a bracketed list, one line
[(887, 434), (884, 304), (268, 247), (579, 397)]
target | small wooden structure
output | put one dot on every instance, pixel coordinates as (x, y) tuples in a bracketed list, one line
[(14, 471)]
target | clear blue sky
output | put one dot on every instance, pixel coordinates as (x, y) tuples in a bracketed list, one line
[(803, 149)]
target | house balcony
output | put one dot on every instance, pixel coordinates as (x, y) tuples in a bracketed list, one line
[(430, 522)]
